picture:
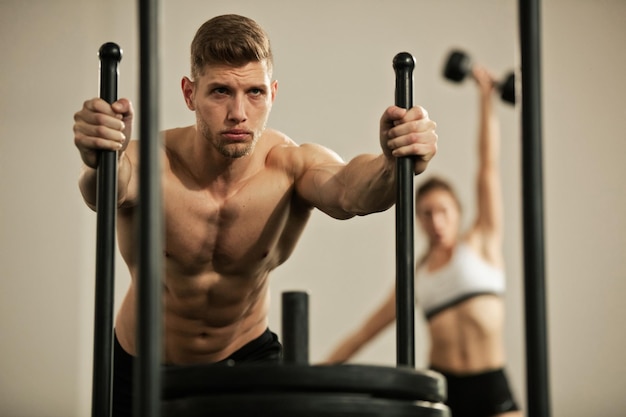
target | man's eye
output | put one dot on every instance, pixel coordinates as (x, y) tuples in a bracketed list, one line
[(220, 90), (256, 92)]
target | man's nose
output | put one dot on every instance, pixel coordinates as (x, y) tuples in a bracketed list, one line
[(237, 109)]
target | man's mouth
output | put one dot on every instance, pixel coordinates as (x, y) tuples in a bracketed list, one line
[(236, 135)]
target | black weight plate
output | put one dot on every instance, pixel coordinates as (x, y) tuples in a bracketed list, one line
[(299, 405), (507, 89), (380, 381), (457, 66)]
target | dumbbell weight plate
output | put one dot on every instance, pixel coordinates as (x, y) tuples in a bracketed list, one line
[(507, 89), (457, 66)]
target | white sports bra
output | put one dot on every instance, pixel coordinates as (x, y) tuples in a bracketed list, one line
[(466, 275)]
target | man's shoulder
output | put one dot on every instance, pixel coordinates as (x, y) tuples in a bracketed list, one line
[(284, 154), (175, 133), (173, 139), (167, 136), (299, 157), (278, 144), (277, 138)]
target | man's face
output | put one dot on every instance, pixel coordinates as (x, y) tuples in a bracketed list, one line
[(232, 105)]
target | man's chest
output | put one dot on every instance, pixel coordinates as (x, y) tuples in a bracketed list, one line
[(219, 231)]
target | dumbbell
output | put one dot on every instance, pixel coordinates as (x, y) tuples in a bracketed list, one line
[(459, 64)]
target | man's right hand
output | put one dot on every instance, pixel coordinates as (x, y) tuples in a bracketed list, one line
[(102, 126)]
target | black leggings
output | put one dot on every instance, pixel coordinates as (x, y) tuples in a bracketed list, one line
[(265, 348), (479, 395)]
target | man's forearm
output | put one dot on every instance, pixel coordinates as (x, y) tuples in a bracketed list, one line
[(370, 184), (88, 182)]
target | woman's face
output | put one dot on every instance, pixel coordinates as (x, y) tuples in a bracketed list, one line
[(439, 215)]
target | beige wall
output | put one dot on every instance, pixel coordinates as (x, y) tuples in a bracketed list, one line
[(333, 63)]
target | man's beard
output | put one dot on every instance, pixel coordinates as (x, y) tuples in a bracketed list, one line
[(228, 149), (234, 151)]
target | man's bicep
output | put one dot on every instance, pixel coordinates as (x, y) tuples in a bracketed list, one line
[(128, 179), (320, 181)]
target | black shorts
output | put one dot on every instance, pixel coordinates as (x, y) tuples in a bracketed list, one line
[(479, 395), (265, 348)]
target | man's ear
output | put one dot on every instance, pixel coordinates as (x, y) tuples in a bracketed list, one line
[(189, 88), (274, 88)]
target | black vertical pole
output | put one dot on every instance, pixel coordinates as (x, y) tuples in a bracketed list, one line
[(150, 276), (106, 206), (537, 384), (403, 64), (295, 327)]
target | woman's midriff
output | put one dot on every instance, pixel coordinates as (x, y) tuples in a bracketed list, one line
[(467, 338)]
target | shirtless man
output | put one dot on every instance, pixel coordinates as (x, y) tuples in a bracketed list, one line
[(237, 198)]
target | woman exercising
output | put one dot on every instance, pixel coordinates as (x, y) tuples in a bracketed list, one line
[(459, 283)]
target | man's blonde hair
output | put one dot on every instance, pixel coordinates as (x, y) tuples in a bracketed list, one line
[(231, 40)]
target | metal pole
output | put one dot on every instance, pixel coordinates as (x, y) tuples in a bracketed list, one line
[(295, 327), (150, 278), (106, 205), (403, 64), (537, 382)]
